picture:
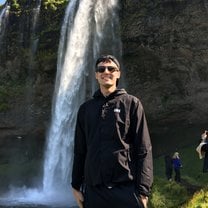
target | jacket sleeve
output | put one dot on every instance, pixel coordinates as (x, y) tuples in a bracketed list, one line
[(143, 150), (79, 152)]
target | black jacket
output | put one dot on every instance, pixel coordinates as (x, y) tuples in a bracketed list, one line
[(112, 143), (205, 165)]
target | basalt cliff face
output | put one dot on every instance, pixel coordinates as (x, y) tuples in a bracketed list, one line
[(165, 56), (165, 46)]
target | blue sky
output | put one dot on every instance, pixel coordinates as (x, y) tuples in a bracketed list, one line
[(2, 2)]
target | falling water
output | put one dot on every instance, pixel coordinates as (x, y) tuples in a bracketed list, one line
[(36, 13), (35, 18), (4, 14), (90, 28), (75, 62), (34, 39)]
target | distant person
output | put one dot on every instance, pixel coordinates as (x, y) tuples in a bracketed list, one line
[(177, 166), (168, 167), (202, 150)]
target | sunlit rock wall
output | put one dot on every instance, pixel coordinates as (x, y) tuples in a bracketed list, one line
[(165, 55), (165, 47)]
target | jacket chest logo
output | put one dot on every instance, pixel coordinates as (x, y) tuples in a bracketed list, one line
[(109, 107), (117, 110)]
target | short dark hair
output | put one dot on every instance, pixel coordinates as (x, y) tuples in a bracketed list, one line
[(106, 58)]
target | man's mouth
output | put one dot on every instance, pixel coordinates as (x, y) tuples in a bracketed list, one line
[(106, 77)]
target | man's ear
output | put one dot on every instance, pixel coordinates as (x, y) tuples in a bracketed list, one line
[(119, 74), (96, 75)]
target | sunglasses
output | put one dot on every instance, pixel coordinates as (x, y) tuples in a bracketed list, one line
[(111, 69)]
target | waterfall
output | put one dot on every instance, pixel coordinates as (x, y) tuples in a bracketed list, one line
[(33, 45), (34, 39), (89, 29), (36, 12), (4, 15)]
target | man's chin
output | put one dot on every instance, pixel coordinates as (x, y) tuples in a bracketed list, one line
[(107, 85)]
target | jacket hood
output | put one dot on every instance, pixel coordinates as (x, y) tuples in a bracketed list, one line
[(117, 92)]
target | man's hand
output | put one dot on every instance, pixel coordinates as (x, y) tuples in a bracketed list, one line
[(79, 197), (204, 135), (144, 200)]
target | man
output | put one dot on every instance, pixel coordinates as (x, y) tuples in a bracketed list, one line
[(112, 150), (168, 167), (202, 149)]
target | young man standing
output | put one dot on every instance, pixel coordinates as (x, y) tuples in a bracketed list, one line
[(112, 151)]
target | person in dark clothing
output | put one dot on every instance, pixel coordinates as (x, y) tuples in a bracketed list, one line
[(205, 163), (168, 167), (112, 148), (177, 166), (202, 149)]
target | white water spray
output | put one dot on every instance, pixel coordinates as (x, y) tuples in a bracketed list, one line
[(91, 25), (4, 15), (89, 29)]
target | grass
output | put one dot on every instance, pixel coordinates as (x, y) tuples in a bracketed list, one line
[(166, 194), (191, 170), (199, 200)]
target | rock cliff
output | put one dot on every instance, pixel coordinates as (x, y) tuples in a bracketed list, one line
[(165, 56)]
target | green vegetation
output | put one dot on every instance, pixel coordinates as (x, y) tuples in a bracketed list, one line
[(199, 200), (17, 5), (53, 4), (7, 92), (19, 53), (167, 194), (192, 192)]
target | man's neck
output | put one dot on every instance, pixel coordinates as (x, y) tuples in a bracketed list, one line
[(107, 91)]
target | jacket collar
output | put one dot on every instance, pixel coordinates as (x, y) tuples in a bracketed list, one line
[(117, 92)]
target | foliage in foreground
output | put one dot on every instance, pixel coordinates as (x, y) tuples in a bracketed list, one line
[(166, 194), (199, 200)]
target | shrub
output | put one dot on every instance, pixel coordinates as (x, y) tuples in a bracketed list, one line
[(199, 200), (166, 194)]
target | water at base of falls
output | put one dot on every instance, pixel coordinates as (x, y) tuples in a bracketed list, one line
[(33, 206), (36, 198)]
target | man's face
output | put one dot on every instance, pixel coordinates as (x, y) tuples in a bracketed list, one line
[(107, 74)]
